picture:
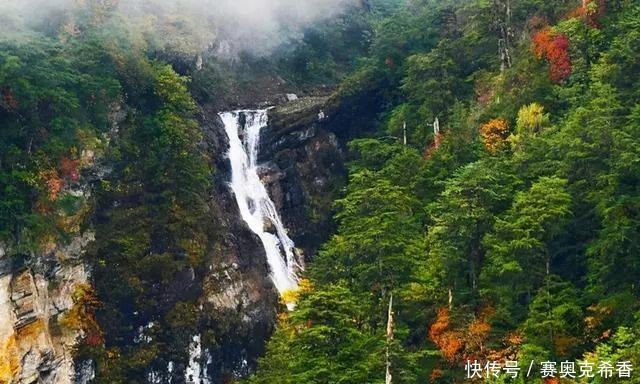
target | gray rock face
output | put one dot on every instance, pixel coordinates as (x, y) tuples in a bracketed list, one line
[(237, 288), (35, 346), (304, 171), (37, 290)]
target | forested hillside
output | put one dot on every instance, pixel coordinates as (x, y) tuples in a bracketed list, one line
[(489, 211), (76, 152), (511, 233)]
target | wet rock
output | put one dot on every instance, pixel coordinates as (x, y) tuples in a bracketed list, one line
[(237, 290), (269, 227), (310, 161), (302, 169), (270, 175)]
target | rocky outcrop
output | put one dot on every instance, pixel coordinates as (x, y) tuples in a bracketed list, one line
[(35, 294), (38, 290), (303, 168), (239, 299)]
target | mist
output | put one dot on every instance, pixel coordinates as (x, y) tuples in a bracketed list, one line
[(227, 27)]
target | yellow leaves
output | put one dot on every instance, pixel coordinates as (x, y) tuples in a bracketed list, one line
[(494, 134), (305, 286), (291, 296), (9, 363), (531, 119), (81, 317)]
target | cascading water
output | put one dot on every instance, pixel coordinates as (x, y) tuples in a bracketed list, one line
[(256, 207)]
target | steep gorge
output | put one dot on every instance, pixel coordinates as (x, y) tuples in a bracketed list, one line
[(301, 166)]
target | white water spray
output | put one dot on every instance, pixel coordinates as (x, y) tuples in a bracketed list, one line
[(256, 207)]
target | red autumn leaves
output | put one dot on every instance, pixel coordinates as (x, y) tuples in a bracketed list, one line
[(54, 180), (69, 168), (554, 48)]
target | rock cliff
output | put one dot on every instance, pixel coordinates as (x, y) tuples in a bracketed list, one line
[(303, 169), (40, 293), (238, 295), (37, 294)]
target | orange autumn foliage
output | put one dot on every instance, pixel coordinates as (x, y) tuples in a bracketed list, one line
[(510, 347), (477, 334), (597, 318), (448, 341), (436, 373), (478, 331), (592, 11), (494, 134), (554, 48), (541, 40), (470, 341), (81, 316), (53, 183)]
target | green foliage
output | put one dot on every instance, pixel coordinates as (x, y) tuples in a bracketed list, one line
[(527, 250), (151, 236), (373, 254), (51, 104), (462, 215), (519, 251), (530, 251), (554, 322), (327, 339)]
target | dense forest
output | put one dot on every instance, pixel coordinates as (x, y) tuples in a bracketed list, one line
[(491, 213), (509, 234)]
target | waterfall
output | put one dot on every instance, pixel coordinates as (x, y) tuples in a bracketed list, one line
[(256, 207)]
